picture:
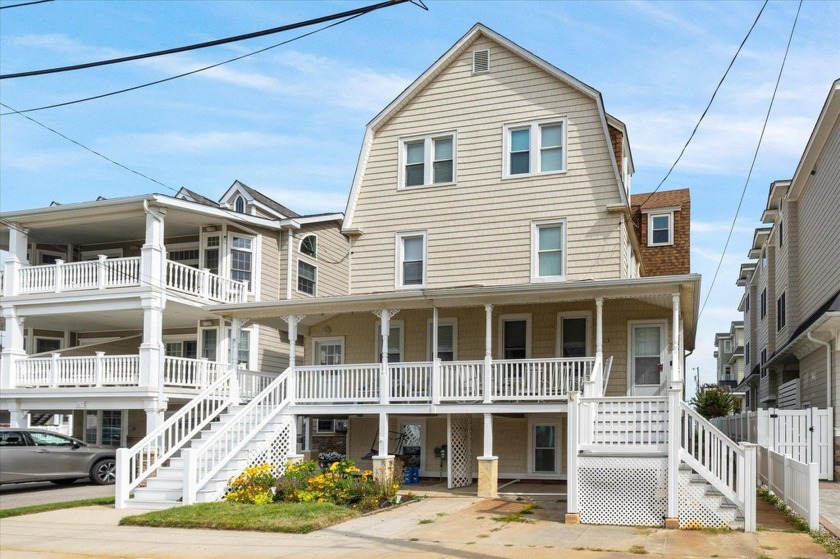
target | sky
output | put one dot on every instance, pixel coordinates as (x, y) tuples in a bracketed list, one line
[(290, 121)]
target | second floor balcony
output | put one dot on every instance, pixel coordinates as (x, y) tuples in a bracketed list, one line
[(109, 273)]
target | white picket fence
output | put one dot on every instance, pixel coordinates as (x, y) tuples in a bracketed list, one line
[(805, 435), (796, 483)]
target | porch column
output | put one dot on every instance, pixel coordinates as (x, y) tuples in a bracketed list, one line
[(151, 349), (488, 353), (13, 349), (676, 370), (435, 387), (18, 240), (383, 463), (292, 322), (233, 358), (597, 388), (289, 251), (384, 375), (572, 443), (18, 418), (153, 253), (155, 410), (488, 465)]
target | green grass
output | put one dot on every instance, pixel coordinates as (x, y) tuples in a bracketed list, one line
[(291, 518), (6, 513)]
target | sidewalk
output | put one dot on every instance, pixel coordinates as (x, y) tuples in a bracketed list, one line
[(460, 526), (830, 506)]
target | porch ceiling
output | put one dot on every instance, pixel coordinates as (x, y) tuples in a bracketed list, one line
[(653, 290)]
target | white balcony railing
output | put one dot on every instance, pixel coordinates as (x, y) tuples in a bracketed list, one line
[(111, 370), (451, 381), (125, 272)]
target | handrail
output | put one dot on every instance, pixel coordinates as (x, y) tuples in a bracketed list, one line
[(206, 460), (138, 462), (712, 454), (607, 370)]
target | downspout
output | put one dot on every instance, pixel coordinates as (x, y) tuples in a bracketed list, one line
[(289, 266), (827, 366)]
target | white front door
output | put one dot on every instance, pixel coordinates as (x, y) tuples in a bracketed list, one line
[(648, 362)]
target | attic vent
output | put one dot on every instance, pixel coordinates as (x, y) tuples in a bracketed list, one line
[(481, 61)]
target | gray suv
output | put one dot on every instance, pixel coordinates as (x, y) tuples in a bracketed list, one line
[(38, 455)]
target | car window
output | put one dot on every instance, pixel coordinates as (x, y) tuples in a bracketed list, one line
[(11, 439), (48, 439)]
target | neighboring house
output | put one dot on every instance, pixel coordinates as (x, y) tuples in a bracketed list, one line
[(791, 302), (729, 354), (103, 302), (513, 313)]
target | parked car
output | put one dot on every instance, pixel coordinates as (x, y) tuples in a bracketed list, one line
[(38, 455)]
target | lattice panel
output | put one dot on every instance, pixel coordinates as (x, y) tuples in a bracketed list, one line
[(698, 509), (626, 491), (277, 447), (459, 455)]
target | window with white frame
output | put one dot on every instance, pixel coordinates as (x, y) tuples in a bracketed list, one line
[(727, 346), (210, 253), (328, 351), (660, 229), (447, 349), (545, 448), (309, 246), (727, 372), (239, 205), (395, 341), (411, 259), (515, 336), (307, 275), (209, 342), (534, 148), (243, 350), (548, 249), (242, 259), (427, 160), (44, 345), (573, 334)]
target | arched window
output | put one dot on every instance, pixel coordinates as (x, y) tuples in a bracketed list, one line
[(239, 205), (309, 246)]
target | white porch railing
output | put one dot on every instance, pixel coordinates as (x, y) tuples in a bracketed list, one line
[(252, 383), (205, 461), (796, 483), (630, 425), (324, 384), (125, 272), (410, 382), (110, 370), (461, 381), (137, 463), (539, 379)]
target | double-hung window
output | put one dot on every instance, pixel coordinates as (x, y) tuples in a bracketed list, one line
[(548, 250), (534, 148), (660, 229), (427, 160), (411, 259), (447, 339), (241, 259), (306, 277)]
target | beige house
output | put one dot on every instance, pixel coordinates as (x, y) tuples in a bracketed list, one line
[(729, 355), (106, 334), (791, 301)]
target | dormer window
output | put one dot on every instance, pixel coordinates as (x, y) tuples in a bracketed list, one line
[(660, 229), (239, 205)]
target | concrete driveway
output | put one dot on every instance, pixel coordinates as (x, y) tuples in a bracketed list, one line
[(16, 495)]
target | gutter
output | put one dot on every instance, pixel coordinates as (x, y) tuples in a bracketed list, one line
[(827, 365)]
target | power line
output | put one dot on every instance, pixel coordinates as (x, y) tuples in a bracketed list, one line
[(216, 42), (706, 110), (22, 4), (141, 86), (93, 151), (752, 165)]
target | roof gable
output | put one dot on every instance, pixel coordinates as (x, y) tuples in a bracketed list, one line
[(257, 198)]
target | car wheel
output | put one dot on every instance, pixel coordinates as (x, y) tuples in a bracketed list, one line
[(104, 472), (63, 481)]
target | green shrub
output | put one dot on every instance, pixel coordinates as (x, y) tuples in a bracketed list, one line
[(255, 486)]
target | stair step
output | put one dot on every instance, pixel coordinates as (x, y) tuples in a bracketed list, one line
[(151, 504)]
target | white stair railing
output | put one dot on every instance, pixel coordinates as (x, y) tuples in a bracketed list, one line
[(137, 463), (205, 461), (726, 466)]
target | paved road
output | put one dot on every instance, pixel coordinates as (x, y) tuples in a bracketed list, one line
[(24, 494)]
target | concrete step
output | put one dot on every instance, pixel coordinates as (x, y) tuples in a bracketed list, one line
[(147, 494), (150, 504)]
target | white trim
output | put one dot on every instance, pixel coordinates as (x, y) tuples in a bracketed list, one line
[(665, 209), (398, 272), (533, 422), (327, 340), (535, 244), (305, 260), (253, 285), (664, 374), (562, 315), (501, 335), (308, 219), (201, 342), (651, 217), (428, 159), (474, 53), (300, 245), (377, 346), (535, 146), (453, 322)]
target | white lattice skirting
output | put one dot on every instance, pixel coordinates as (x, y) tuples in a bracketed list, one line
[(460, 453), (276, 448), (622, 490)]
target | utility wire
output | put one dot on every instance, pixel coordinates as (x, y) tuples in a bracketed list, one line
[(141, 86), (216, 42), (752, 165), (22, 4), (706, 110)]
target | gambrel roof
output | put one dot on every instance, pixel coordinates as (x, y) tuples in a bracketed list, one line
[(477, 31)]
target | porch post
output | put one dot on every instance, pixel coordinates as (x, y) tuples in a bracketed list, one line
[(59, 275), (151, 349), (233, 358), (13, 350), (488, 465), (17, 418), (572, 514), (152, 253), (154, 409), (598, 369), (488, 353), (435, 361), (101, 275), (383, 463), (18, 241), (292, 321), (676, 370), (384, 375)]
